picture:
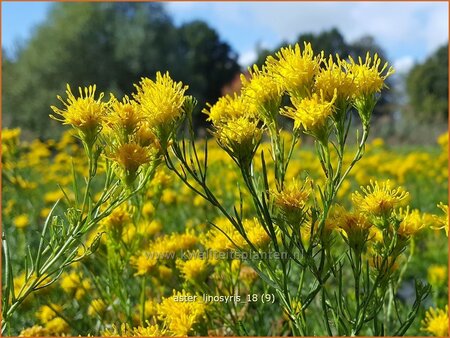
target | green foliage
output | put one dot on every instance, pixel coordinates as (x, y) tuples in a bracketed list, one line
[(427, 88), (112, 45)]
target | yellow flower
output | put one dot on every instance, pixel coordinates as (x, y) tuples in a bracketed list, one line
[(21, 221), (47, 313), (84, 112), (378, 200), (130, 156), (215, 240), (368, 77), (240, 137), (57, 326), (172, 243), (193, 269), (294, 69), (124, 116), (74, 283), (148, 209), (117, 220), (437, 275), (262, 91), (34, 331), (292, 200), (310, 113), (181, 316), (126, 331), (229, 107), (442, 222), (161, 100), (436, 322), (256, 233), (97, 307), (143, 263), (334, 77), (354, 224), (412, 221)]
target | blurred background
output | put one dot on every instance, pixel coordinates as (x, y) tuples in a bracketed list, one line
[(207, 44)]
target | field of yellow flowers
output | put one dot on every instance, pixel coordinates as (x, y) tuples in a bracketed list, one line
[(124, 227), (35, 174)]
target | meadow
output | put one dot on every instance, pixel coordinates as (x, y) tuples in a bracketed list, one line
[(231, 235)]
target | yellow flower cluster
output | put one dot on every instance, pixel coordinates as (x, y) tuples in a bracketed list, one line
[(378, 200), (436, 322), (180, 314)]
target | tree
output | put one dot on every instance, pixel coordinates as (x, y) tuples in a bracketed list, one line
[(112, 45), (427, 88)]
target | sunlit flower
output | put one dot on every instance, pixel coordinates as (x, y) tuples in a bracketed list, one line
[(239, 137), (34, 331), (293, 68), (255, 233), (292, 200), (47, 313), (436, 322), (412, 222), (310, 113), (378, 200), (442, 221), (161, 100), (57, 326), (97, 307), (85, 112), (355, 225), (367, 75), (124, 116), (334, 77), (437, 275), (230, 107), (21, 221), (263, 92), (143, 263), (181, 316), (193, 269)]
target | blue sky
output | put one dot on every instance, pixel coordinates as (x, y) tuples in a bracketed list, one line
[(408, 31)]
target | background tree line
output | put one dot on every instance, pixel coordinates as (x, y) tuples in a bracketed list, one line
[(115, 44)]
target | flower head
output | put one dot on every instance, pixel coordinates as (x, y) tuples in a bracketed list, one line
[(193, 269), (436, 322), (230, 107), (125, 116), (256, 234), (442, 221), (262, 91), (21, 221), (367, 76), (239, 137), (292, 200), (293, 68), (130, 157), (85, 113), (378, 200), (334, 77), (143, 263), (310, 113), (180, 315), (162, 100), (437, 275), (355, 225), (411, 222)]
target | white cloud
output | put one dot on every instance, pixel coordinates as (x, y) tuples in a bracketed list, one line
[(401, 28), (403, 64), (247, 58)]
